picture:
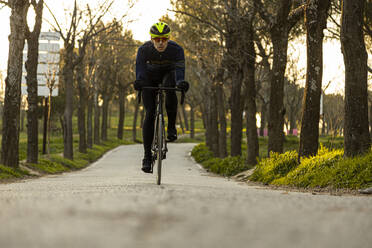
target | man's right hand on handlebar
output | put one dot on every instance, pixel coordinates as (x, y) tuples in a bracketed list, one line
[(138, 84), (183, 85)]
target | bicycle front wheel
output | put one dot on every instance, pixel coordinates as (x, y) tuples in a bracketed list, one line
[(160, 148)]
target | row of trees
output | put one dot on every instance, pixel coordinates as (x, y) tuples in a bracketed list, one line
[(237, 52), (237, 61), (97, 65)]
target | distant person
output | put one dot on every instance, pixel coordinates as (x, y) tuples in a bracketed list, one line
[(158, 59)]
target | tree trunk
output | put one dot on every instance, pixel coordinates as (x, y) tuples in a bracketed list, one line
[(249, 71), (315, 20), (134, 127), (236, 114), (323, 125), (357, 139), (180, 121), (109, 115), (22, 113), (206, 116), (45, 127), (32, 85), (184, 113), (68, 78), (203, 115), (222, 141), (370, 120), (91, 94), (279, 36), (31, 78), (89, 122), (97, 114), (276, 107), (12, 101), (81, 108), (105, 110), (121, 111), (192, 122), (49, 124), (263, 119), (213, 123)]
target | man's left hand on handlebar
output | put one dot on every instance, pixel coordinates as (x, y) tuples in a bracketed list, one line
[(138, 84), (183, 85)]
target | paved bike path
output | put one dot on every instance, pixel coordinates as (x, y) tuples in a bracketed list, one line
[(113, 204)]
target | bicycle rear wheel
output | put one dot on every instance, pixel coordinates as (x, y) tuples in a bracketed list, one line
[(160, 148)]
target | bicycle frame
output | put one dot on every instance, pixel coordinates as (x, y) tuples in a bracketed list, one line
[(159, 143)]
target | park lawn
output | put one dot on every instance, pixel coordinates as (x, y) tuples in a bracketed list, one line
[(55, 163)]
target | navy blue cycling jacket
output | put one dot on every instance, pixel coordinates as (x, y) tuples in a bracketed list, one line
[(150, 60)]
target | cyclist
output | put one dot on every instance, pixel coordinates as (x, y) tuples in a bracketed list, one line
[(159, 60)]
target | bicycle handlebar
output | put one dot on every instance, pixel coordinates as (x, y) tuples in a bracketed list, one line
[(164, 89)]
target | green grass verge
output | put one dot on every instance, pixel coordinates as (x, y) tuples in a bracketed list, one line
[(227, 167), (11, 173), (328, 169), (55, 163), (277, 166)]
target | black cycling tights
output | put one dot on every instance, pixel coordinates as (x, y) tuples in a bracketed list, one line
[(149, 101)]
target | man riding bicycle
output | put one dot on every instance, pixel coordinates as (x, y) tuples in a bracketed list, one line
[(159, 60)]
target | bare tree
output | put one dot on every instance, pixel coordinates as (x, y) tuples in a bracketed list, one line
[(72, 60), (279, 25), (12, 101), (51, 83), (249, 71), (31, 78), (334, 113), (315, 20), (357, 139), (225, 21)]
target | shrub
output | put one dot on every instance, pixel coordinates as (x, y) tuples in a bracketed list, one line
[(314, 171), (8, 172), (229, 166), (327, 169), (201, 153), (234, 165), (352, 173), (278, 165), (48, 166)]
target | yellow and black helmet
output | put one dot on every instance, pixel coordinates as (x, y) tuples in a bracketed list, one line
[(160, 29)]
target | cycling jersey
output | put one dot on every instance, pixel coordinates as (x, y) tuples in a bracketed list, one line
[(151, 60)]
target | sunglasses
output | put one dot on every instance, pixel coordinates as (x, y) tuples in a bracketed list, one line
[(158, 39)]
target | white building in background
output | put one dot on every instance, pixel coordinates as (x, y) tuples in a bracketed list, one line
[(48, 64)]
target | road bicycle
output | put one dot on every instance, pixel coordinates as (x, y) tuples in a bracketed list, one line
[(159, 144)]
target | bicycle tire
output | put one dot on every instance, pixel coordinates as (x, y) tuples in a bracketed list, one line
[(160, 148)]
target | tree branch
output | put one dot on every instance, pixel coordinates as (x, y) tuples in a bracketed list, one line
[(58, 29), (199, 19), (263, 14), (296, 15)]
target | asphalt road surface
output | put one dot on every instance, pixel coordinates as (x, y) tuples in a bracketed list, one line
[(113, 204)]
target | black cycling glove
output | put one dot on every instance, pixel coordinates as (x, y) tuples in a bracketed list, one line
[(183, 85), (138, 84)]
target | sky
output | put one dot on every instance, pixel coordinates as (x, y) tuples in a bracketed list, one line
[(146, 12)]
